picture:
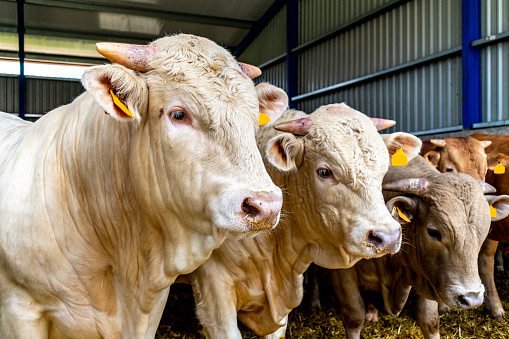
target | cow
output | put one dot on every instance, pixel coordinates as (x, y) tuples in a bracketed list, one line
[(106, 200), (445, 219), (497, 152), (457, 155), (469, 155), (330, 164)]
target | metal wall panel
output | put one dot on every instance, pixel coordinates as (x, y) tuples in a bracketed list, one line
[(420, 98), (495, 62), (9, 92), (425, 98), (43, 94), (415, 30), (275, 75), (317, 17), (270, 43)]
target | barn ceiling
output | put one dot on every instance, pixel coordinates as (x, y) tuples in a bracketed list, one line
[(66, 30)]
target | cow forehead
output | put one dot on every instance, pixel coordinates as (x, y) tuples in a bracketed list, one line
[(457, 197), (465, 151), (184, 57), (201, 67), (463, 186), (352, 146), (467, 155)]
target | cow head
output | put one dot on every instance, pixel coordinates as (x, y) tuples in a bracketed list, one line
[(336, 161), (449, 220), (457, 155), (191, 112)]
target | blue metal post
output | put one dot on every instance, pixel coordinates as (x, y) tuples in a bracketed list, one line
[(471, 66), (292, 31), (21, 53)]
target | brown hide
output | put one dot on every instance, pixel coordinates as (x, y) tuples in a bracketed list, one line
[(454, 205), (457, 154), (497, 151)]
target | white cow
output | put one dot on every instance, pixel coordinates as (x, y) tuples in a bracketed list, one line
[(100, 212), (331, 167)]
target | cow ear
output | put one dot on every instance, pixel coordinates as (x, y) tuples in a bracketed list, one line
[(433, 157), (285, 151), (501, 204), (121, 92), (407, 206), (493, 159), (427, 146), (411, 144), (273, 101)]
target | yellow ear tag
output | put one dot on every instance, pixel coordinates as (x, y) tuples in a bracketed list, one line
[(120, 105), (393, 211), (263, 119), (402, 216), (499, 169), (399, 158), (493, 211)]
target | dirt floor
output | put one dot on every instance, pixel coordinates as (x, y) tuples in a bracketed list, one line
[(179, 320)]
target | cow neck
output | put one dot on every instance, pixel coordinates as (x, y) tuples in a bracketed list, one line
[(395, 278), (292, 242), (94, 183), (279, 265), (287, 252)]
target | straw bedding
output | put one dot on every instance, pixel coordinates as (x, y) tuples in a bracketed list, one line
[(179, 320)]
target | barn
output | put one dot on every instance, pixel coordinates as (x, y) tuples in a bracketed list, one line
[(439, 68)]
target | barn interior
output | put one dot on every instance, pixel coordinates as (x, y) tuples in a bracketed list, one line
[(440, 68)]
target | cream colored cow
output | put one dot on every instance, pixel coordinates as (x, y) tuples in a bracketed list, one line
[(100, 212), (331, 167)]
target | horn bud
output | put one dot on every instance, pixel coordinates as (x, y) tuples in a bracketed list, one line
[(250, 70), (486, 188), (438, 142), (412, 186), (297, 127), (381, 124), (135, 57)]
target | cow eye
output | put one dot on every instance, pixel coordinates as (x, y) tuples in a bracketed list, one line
[(179, 115), (449, 170), (434, 233), (324, 173)]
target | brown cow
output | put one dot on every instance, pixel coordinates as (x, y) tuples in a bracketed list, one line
[(469, 155), (447, 211)]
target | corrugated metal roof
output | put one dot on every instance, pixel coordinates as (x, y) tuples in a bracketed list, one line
[(66, 30)]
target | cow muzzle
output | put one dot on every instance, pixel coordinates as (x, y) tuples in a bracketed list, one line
[(464, 299), (383, 242), (261, 210)]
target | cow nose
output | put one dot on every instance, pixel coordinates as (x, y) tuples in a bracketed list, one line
[(470, 299), (262, 209), (384, 242)]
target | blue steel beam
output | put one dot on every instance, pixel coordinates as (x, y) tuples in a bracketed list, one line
[(259, 26), (21, 54), (292, 39), (471, 66)]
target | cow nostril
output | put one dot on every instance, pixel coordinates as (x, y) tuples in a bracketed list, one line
[(463, 301), (374, 239), (249, 209)]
